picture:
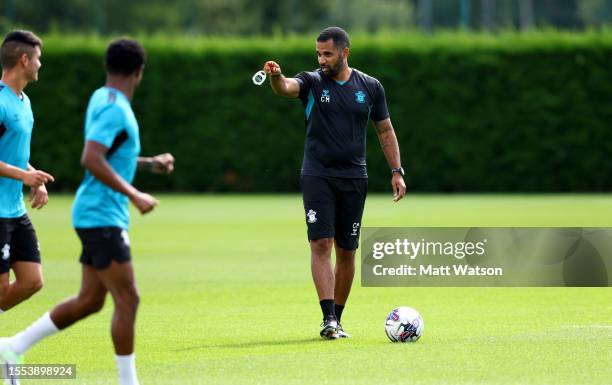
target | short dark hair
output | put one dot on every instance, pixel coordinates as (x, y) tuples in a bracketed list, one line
[(15, 44), (124, 56), (340, 37)]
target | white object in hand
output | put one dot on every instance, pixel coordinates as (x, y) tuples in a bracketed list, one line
[(259, 78)]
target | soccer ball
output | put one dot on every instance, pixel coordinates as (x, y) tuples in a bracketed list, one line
[(404, 324)]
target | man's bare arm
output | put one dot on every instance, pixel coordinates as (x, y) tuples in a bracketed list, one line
[(94, 160), (388, 142), (390, 147), (29, 177), (280, 84), (158, 164)]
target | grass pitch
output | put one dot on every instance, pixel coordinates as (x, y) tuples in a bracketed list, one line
[(227, 298)]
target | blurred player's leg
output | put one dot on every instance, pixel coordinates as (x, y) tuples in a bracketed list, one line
[(4, 286), (8, 357), (28, 280), (89, 300), (120, 282), (20, 252)]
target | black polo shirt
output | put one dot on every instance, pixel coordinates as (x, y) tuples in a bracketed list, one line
[(337, 116)]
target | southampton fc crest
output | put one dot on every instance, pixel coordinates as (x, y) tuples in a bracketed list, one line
[(6, 252), (312, 216), (360, 97)]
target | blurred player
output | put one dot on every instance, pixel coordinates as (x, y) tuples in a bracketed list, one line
[(100, 213), (20, 58), (339, 101)]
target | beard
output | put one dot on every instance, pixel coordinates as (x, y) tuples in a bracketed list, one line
[(334, 70)]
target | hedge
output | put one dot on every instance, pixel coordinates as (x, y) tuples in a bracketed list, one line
[(513, 112)]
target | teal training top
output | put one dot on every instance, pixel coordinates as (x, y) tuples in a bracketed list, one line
[(16, 123), (110, 122)]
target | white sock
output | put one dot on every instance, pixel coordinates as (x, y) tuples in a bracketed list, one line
[(41, 328), (1, 311), (126, 366)]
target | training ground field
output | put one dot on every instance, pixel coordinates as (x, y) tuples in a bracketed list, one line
[(227, 298)]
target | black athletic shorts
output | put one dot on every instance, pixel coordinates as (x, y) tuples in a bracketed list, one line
[(18, 242), (334, 207), (102, 245)]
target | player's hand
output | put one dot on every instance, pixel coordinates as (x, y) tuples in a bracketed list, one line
[(38, 197), (162, 164), (35, 178), (399, 187), (272, 68), (144, 202)]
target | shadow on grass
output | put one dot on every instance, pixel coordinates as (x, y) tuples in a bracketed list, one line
[(253, 344)]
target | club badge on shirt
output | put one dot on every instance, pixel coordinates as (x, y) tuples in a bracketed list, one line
[(360, 97)]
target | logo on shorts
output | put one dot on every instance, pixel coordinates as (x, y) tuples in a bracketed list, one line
[(312, 216), (360, 97), (355, 229), (6, 251), (126, 238)]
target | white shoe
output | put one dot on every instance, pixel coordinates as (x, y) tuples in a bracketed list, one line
[(341, 332), (329, 329), (7, 358)]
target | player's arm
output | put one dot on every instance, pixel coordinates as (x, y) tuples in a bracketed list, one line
[(94, 160), (158, 164), (30, 177), (38, 195), (281, 85), (390, 147)]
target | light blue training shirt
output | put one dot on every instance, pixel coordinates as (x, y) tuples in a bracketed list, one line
[(109, 121)]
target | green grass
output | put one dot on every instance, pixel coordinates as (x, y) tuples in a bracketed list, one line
[(227, 298)]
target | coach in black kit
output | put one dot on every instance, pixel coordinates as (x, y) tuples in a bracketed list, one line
[(338, 103)]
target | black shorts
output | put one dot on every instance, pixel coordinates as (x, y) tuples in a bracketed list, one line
[(101, 245), (334, 207), (18, 242)]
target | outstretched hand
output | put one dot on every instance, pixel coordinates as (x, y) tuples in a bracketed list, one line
[(272, 68)]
